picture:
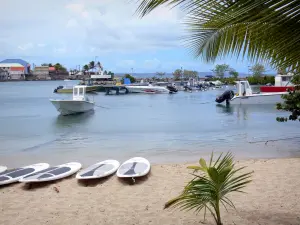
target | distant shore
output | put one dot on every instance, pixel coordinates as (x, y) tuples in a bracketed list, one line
[(272, 198)]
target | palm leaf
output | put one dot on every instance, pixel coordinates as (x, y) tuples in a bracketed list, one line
[(209, 189), (268, 31)]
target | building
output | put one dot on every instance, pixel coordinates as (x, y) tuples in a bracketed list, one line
[(41, 72), (3, 74), (17, 69)]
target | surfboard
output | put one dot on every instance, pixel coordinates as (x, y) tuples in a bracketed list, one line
[(99, 170), (2, 169), (134, 167), (53, 173), (13, 175)]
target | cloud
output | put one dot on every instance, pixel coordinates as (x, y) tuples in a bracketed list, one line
[(152, 64), (25, 46), (105, 26), (126, 63)]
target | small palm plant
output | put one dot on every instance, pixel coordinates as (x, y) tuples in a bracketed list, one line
[(208, 190)]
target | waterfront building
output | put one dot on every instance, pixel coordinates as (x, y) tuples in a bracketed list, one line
[(16, 69)]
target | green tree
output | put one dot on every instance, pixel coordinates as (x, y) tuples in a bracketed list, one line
[(220, 70), (132, 79), (292, 102), (188, 74), (177, 74), (105, 72), (210, 189), (257, 70), (85, 67), (233, 73), (92, 65), (59, 67), (160, 74)]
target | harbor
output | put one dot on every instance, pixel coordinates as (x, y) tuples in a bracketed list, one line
[(162, 127)]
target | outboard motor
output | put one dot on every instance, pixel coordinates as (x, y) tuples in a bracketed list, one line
[(59, 87), (172, 89), (227, 95)]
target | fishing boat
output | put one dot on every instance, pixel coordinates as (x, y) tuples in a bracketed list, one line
[(78, 104), (282, 83), (150, 89), (245, 95)]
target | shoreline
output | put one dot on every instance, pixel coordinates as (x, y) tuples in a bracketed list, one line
[(272, 198)]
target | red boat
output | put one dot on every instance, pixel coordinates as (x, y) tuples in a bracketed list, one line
[(282, 84)]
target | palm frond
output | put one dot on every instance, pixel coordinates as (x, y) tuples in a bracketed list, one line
[(208, 189), (267, 31)]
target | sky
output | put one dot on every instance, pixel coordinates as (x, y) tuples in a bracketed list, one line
[(75, 32)]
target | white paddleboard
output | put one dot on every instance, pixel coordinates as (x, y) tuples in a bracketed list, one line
[(53, 173), (2, 169), (11, 176), (99, 170), (135, 167)]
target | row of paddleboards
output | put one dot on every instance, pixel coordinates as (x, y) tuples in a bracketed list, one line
[(41, 172)]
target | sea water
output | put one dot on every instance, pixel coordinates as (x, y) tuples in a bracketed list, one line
[(163, 128)]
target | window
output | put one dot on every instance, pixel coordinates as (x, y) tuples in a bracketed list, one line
[(81, 91)]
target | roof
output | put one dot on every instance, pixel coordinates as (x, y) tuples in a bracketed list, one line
[(17, 68), (10, 65), (19, 61)]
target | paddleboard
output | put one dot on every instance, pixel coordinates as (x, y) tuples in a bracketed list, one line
[(53, 173), (13, 175), (134, 167), (99, 170), (2, 169)]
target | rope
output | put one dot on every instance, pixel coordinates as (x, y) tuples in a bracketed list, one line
[(102, 106), (266, 142)]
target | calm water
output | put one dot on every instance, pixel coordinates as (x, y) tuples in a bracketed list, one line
[(164, 128)]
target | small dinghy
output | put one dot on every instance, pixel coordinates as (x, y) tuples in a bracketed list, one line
[(99, 170), (134, 167), (2, 169), (11, 176), (53, 173)]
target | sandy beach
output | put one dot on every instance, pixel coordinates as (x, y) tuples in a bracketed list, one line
[(272, 198)]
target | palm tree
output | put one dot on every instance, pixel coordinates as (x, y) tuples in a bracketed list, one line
[(92, 65), (85, 67), (209, 189), (261, 30)]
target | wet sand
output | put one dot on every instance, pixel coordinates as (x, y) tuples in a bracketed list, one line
[(272, 198)]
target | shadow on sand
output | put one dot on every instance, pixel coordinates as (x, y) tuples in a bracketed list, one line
[(45, 184), (135, 181), (94, 182)]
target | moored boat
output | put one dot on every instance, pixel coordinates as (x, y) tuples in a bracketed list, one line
[(246, 96), (78, 104), (150, 89), (283, 83)]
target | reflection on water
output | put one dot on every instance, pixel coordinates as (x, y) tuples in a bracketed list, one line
[(67, 121)]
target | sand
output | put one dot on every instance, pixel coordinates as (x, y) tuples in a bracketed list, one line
[(272, 198)]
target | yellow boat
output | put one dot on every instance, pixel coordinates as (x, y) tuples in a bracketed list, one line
[(68, 88)]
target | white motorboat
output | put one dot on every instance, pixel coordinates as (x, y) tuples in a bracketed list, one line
[(246, 96), (79, 104), (150, 89)]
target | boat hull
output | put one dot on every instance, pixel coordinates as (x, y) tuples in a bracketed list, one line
[(68, 107), (258, 99), (276, 88), (147, 89)]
